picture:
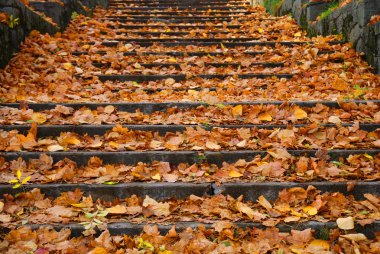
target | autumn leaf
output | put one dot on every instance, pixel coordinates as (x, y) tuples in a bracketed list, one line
[(319, 244), (213, 146), (299, 113), (310, 210), (345, 223), (253, 215), (158, 208), (264, 202), (237, 111), (355, 237), (38, 118), (55, 148), (118, 209), (265, 117), (234, 174)]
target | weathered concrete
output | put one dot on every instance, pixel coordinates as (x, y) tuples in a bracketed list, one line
[(350, 21)]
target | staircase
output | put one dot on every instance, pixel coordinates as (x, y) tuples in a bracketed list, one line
[(227, 114)]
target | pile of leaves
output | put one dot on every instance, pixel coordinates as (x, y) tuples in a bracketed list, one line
[(277, 165), (196, 139), (223, 238), (218, 114), (292, 205)]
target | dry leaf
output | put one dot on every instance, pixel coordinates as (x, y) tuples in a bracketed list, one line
[(212, 145), (346, 223), (237, 111), (299, 113), (264, 202), (265, 117)]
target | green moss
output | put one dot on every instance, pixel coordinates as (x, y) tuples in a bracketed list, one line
[(272, 5), (330, 10)]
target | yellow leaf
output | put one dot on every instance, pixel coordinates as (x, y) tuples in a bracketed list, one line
[(67, 66), (16, 186), (295, 213), (298, 34), (310, 210), (144, 245), (265, 117), (26, 179), (98, 250), (13, 181), (79, 205), (320, 244), (237, 111), (38, 118), (297, 251), (368, 156), (346, 223), (18, 174), (264, 202), (234, 173), (114, 144), (70, 141), (229, 59), (157, 177), (260, 30), (300, 113), (172, 60), (117, 209)]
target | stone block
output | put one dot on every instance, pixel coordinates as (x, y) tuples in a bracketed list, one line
[(313, 10)]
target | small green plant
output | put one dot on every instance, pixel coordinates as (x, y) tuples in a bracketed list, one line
[(17, 183), (94, 217), (330, 10), (74, 15), (13, 22)]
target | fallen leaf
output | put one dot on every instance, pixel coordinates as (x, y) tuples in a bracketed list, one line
[(234, 174), (264, 202), (265, 117), (346, 223), (310, 210), (55, 148), (334, 119), (212, 145), (237, 111), (38, 118), (117, 209), (355, 237), (320, 244), (299, 113)]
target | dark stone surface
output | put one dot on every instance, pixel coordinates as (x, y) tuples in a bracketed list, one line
[(11, 38), (313, 10), (60, 14)]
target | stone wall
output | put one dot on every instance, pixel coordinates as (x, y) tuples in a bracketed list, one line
[(350, 21), (60, 14), (11, 38)]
